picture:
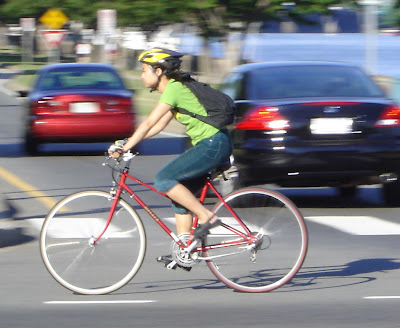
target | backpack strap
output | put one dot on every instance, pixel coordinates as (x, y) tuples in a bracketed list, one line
[(186, 112)]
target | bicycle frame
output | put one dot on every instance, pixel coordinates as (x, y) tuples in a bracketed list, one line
[(245, 238)]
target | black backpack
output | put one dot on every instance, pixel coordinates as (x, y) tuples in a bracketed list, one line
[(219, 106)]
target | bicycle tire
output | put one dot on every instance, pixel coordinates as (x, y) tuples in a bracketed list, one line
[(276, 259), (67, 250)]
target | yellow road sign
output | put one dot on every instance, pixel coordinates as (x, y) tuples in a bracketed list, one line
[(54, 18)]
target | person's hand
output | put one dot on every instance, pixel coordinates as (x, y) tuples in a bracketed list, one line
[(116, 149)]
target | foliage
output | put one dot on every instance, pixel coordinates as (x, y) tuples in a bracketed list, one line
[(210, 16), (392, 14)]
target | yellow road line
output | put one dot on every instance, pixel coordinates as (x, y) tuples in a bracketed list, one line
[(27, 188)]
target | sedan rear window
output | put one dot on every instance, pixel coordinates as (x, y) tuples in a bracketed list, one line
[(310, 81), (82, 78)]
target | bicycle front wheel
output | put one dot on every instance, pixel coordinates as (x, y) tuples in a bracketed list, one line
[(276, 257), (71, 256)]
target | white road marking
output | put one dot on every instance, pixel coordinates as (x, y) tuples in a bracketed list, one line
[(36, 223), (354, 225), (381, 297), (76, 228), (358, 225), (99, 302)]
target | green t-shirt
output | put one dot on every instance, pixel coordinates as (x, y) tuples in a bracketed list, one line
[(178, 95)]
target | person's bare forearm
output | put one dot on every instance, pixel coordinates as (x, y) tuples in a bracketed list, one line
[(151, 126), (159, 126)]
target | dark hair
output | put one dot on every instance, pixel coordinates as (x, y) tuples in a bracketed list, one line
[(178, 75)]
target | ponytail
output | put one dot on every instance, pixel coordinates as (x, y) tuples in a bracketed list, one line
[(178, 75)]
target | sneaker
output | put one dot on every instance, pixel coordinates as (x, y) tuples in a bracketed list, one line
[(203, 230)]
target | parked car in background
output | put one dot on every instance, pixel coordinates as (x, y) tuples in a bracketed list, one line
[(306, 124), (77, 103)]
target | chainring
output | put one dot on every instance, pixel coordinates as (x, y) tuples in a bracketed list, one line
[(180, 256)]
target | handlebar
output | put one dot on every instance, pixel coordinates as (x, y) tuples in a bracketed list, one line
[(117, 168), (126, 157)]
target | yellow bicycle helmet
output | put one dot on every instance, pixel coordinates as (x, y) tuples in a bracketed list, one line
[(159, 57)]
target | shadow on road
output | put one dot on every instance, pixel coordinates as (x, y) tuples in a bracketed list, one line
[(13, 237), (309, 278), (352, 273)]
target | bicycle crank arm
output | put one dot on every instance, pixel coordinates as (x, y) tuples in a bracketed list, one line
[(192, 246), (171, 265)]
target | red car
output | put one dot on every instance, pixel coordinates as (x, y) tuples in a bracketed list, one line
[(78, 102)]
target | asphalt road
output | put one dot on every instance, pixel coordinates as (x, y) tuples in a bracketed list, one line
[(349, 279)]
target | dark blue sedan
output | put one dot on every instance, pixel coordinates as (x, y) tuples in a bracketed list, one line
[(305, 124)]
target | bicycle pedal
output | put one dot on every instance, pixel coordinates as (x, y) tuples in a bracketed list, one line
[(171, 264), (167, 260)]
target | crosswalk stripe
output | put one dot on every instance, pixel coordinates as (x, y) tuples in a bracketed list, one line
[(382, 297), (354, 225), (358, 225), (100, 302)]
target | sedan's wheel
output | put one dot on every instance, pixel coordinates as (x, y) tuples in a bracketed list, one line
[(228, 186), (391, 193), (31, 146), (348, 191)]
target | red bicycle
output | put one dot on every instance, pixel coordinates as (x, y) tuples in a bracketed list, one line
[(94, 242)]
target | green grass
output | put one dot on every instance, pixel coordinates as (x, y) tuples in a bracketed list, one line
[(24, 80), (144, 100)]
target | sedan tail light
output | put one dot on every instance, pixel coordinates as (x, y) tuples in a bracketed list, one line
[(390, 117), (118, 104), (64, 103), (263, 118), (48, 104)]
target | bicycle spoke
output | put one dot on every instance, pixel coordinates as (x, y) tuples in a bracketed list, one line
[(278, 250), (69, 251)]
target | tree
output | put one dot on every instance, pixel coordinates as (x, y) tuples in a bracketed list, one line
[(393, 14), (211, 16)]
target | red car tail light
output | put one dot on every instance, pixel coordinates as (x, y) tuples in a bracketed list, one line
[(263, 118), (48, 104), (390, 117), (62, 103), (118, 104)]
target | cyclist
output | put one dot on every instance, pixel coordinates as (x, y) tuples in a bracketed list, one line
[(179, 179)]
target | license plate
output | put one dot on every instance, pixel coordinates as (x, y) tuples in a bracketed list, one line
[(84, 107), (342, 125)]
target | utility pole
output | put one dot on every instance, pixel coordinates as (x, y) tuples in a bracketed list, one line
[(370, 25)]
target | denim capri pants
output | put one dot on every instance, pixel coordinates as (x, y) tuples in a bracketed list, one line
[(191, 167)]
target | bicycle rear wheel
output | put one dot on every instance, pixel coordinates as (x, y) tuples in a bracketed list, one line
[(275, 258), (68, 252)]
